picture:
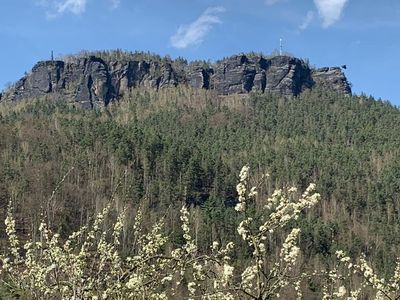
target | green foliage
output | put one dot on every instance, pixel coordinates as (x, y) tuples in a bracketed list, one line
[(183, 146)]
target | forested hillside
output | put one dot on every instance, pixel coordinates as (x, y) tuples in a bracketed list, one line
[(161, 149)]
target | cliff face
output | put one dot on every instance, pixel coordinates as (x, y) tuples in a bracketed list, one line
[(332, 79), (92, 81)]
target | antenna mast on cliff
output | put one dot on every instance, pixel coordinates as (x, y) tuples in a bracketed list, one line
[(280, 47), (52, 55)]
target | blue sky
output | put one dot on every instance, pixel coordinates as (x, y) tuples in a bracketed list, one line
[(363, 34)]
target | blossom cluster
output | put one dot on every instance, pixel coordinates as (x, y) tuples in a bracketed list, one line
[(384, 289), (91, 264)]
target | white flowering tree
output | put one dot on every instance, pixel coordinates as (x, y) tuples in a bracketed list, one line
[(260, 280), (90, 264), (381, 288)]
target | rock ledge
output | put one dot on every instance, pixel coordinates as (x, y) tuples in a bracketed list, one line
[(94, 80)]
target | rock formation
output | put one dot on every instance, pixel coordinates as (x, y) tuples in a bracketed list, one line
[(332, 79), (93, 81)]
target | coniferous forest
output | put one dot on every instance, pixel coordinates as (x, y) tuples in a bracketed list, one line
[(155, 152)]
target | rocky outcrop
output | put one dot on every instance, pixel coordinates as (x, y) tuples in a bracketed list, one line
[(44, 78), (86, 81), (92, 81), (332, 79), (281, 74), (199, 76)]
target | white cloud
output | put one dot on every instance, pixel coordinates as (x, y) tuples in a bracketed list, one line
[(307, 20), (57, 8), (194, 33), (330, 10), (76, 7)]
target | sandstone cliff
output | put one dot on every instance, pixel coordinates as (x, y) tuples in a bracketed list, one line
[(96, 80)]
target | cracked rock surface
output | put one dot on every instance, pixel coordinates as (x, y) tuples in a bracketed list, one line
[(92, 81)]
